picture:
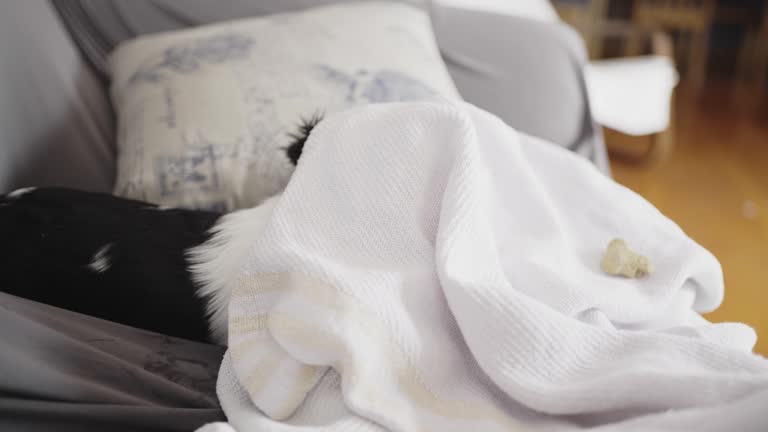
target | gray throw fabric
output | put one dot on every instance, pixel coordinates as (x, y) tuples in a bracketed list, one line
[(55, 117), (62, 371)]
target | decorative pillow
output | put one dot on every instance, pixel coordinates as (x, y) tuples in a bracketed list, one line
[(205, 115)]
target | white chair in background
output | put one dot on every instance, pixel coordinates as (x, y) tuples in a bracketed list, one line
[(632, 95), (635, 96)]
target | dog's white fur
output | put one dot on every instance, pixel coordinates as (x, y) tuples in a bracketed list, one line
[(101, 262), (19, 192), (216, 263)]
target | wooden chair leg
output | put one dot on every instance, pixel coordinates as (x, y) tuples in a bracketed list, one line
[(634, 45), (659, 148), (663, 142), (761, 67), (697, 66)]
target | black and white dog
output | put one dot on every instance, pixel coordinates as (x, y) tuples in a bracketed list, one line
[(165, 270)]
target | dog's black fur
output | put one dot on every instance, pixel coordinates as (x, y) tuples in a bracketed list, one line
[(300, 138), (51, 238), (110, 257)]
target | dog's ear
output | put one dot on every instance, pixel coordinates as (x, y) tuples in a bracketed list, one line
[(293, 151)]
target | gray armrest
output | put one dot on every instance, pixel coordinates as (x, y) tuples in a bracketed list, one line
[(529, 73)]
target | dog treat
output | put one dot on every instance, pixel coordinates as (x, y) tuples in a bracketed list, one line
[(619, 259)]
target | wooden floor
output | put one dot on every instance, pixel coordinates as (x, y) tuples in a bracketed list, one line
[(715, 186)]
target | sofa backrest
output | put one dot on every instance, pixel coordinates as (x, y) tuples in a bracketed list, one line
[(59, 130)]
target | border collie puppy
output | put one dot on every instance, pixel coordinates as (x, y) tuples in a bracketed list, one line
[(135, 263)]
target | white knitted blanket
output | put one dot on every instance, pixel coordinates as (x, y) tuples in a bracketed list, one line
[(430, 269)]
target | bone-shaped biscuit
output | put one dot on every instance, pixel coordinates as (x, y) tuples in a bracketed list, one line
[(619, 259)]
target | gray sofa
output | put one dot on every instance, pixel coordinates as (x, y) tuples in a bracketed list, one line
[(63, 371), (58, 127)]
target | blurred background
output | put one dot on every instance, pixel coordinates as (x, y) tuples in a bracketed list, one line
[(704, 164)]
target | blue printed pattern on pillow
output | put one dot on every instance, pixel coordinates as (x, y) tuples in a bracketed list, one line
[(195, 169), (377, 86), (188, 58)]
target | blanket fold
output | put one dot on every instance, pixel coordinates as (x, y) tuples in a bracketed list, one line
[(430, 268)]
